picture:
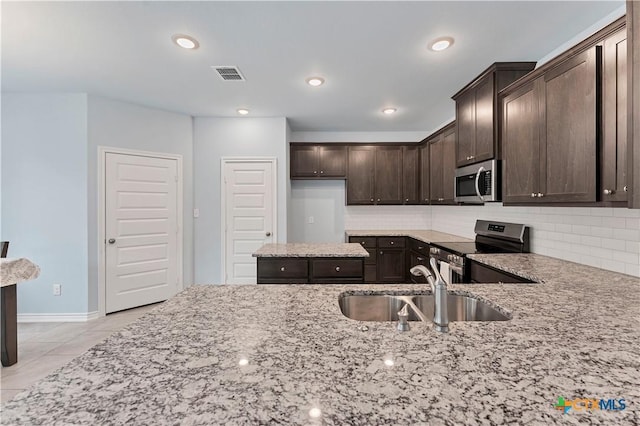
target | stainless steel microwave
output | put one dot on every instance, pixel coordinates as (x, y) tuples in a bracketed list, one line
[(478, 183)]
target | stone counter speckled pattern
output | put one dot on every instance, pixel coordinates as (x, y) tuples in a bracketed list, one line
[(422, 235), (575, 335), (311, 250)]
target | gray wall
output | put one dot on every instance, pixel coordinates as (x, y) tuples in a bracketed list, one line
[(325, 202), (44, 196), (123, 125), (214, 138)]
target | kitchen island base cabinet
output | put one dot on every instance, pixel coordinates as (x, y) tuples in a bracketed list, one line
[(313, 270)]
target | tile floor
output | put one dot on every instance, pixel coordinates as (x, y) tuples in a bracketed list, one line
[(44, 347)]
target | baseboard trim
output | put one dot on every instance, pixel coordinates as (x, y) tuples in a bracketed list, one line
[(72, 317)]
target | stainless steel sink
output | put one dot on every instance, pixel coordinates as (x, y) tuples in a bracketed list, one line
[(383, 307)]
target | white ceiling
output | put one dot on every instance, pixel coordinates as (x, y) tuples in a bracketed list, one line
[(372, 54)]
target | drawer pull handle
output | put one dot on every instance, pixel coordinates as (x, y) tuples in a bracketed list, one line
[(337, 269), (282, 269)]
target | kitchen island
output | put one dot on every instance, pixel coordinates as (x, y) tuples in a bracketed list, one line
[(257, 355)]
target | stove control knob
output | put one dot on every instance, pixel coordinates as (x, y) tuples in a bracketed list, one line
[(434, 250)]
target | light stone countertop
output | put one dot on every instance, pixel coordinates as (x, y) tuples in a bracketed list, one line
[(311, 250), (17, 270), (575, 335), (422, 235)]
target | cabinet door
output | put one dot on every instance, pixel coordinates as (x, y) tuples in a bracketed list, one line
[(568, 142), (333, 161), (449, 166), (465, 128), (424, 173), (435, 171), (304, 161), (614, 110), (521, 144), (410, 174), (388, 175), (484, 120), (360, 178), (391, 265)]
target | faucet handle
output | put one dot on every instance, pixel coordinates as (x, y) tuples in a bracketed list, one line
[(436, 271), (403, 319)]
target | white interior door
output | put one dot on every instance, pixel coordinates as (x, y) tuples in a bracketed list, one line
[(249, 218), (141, 230)]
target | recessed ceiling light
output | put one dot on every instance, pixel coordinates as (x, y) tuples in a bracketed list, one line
[(389, 111), (441, 43), (185, 41), (243, 111), (315, 81)]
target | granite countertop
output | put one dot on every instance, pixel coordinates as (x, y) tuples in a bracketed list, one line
[(422, 235), (270, 354), (312, 250), (17, 270)]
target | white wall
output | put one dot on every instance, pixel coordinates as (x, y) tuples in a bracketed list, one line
[(44, 196), (214, 138), (119, 124)]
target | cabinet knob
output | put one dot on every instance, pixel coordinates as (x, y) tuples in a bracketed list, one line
[(315, 172), (362, 243), (282, 269), (625, 188), (609, 192), (419, 259), (391, 242), (337, 269), (420, 247), (378, 199), (372, 200), (380, 252), (540, 195), (440, 199), (321, 172), (533, 195), (407, 200)]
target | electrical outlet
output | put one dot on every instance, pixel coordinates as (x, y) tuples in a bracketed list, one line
[(57, 289), (196, 212), (311, 219)]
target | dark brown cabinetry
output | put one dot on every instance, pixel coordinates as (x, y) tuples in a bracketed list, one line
[(410, 174), (318, 161), (424, 173), (442, 166), (549, 134), (360, 179), (613, 185), (388, 175), (313, 270), (418, 255), (389, 263), (477, 111)]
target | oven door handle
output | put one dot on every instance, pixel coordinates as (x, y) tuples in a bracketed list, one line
[(480, 170), (454, 268)]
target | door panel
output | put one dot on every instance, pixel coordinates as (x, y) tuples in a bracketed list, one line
[(388, 175), (360, 182), (449, 166), (570, 137), (141, 217), (435, 171), (249, 217), (411, 177), (333, 161), (484, 120), (424, 173), (465, 128), (304, 161), (391, 265)]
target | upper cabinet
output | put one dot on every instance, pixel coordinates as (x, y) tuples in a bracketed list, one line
[(556, 145), (410, 174), (312, 161), (360, 180), (442, 165), (614, 184), (477, 124), (388, 172)]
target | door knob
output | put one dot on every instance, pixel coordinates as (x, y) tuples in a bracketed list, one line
[(268, 234), (112, 240)]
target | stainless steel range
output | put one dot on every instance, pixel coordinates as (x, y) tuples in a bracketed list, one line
[(491, 237)]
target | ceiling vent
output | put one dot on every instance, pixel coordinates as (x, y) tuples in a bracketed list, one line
[(229, 73)]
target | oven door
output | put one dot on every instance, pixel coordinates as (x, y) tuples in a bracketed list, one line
[(451, 273)]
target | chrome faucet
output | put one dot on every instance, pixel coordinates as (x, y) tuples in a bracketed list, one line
[(439, 290)]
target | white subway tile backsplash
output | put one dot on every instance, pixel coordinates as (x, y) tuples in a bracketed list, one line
[(607, 237)]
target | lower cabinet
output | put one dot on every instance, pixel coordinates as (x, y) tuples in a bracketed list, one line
[(312, 270), (387, 262), (418, 255)]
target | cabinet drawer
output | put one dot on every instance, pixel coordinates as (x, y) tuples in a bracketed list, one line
[(419, 246), (366, 242), (337, 268), (391, 242), (280, 268)]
